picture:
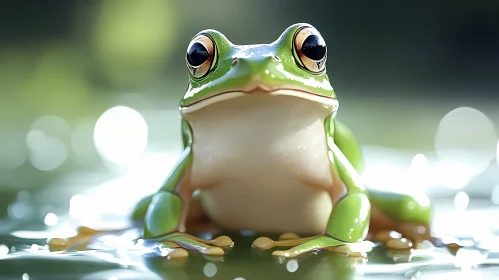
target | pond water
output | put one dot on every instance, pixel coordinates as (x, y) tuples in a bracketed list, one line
[(24, 255)]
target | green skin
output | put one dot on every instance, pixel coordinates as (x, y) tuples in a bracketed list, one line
[(350, 218)]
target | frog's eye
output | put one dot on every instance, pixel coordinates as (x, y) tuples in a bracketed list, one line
[(200, 56), (311, 49)]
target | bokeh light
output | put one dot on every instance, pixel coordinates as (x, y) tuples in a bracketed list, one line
[(80, 208), (46, 153), (13, 151), (45, 142), (125, 51), (82, 144), (451, 174), (51, 219), (467, 136), (461, 201), (292, 265), (121, 135), (210, 269), (494, 196)]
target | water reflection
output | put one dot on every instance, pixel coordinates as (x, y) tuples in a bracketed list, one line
[(247, 263), (116, 256)]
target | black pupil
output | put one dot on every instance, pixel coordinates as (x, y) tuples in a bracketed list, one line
[(197, 54), (314, 47)]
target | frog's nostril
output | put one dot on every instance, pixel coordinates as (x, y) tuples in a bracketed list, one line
[(276, 58), (235, 60)]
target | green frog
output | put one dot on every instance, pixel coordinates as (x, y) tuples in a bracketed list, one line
[(263, 152)]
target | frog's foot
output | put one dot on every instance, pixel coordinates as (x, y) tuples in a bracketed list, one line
[(407, 236), (81, 240), (301, 246), (177, 244)]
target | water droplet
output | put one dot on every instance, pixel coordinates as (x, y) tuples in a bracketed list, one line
[(292, 265), (210, 269), (34, 247), (4, 250), (25, 276)]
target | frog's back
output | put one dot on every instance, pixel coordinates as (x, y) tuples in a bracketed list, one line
[(261, 163)]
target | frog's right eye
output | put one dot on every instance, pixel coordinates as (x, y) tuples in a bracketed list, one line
[(200, 56)]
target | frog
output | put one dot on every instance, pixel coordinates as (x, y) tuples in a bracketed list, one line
[(264, 152)]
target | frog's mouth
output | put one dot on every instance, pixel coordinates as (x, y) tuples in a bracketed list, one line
[(329, 102)]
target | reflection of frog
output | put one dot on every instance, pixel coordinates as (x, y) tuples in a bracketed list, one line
[(263, 148)]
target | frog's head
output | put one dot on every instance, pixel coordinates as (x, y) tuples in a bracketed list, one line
[(294, 64)]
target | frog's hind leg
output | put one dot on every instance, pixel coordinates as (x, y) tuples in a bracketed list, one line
[(407, 215)]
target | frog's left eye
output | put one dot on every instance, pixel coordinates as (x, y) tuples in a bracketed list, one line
[(311, 49), (200, 56)]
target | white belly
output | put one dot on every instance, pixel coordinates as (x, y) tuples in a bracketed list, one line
[(261, 163)]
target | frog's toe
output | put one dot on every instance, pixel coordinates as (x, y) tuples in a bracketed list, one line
[(222, 241), (289, 236), (178, 253), (214, 251), (405, 236), (263, 243), (185, 242), (173, 251)]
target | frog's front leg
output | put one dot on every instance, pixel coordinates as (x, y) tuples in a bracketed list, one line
[(349, 219), (164, 221)]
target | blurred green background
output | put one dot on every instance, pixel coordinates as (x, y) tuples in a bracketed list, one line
[(89, 93)]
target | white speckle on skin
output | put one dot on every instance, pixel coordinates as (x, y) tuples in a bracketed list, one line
[(25, 276)]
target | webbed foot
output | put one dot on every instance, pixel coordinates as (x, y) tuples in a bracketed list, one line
[(81, 240), (176, 245), (407, 236), (300, 246)]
